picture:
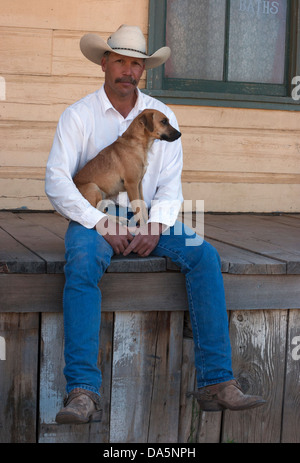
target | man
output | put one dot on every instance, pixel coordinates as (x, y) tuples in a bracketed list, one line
[(92, 238)]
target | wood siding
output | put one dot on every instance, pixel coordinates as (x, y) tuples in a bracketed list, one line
[(236, 160)]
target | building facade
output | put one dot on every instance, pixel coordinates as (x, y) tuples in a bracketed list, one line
[(233, 82)]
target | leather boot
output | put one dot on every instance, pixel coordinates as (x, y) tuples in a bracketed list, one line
[(81, 406), (226, 395)]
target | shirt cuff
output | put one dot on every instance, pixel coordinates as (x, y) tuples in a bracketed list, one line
[(91, 217), (165, 212)]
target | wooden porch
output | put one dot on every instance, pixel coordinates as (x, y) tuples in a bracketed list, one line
[(146, 353)]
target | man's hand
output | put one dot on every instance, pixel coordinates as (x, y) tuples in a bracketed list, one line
[(145, 239), (115, 234)]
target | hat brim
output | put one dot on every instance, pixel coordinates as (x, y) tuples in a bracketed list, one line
[(93, 48)]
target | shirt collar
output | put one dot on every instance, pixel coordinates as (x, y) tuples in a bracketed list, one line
[(138, 107), (106, 104)]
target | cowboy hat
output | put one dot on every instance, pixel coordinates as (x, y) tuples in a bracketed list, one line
[(128, 41)]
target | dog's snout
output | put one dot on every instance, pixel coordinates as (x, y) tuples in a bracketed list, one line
[(177, 135), (171, 136)]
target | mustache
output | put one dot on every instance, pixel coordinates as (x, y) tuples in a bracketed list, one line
[(126, 80)]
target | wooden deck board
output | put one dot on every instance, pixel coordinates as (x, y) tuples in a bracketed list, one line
[(15, 258), (268, 236), (246, 244), (41, 241)]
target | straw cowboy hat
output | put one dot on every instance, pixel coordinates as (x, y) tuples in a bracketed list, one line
[(128, 41)]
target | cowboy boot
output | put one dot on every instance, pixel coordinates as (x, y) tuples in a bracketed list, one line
[(81, 406), (226, 395)]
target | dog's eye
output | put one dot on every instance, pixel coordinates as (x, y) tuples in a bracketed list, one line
[(164, 122)]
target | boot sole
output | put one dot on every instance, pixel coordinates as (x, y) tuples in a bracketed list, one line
[(217, 407), (68, 418), (249, 407)]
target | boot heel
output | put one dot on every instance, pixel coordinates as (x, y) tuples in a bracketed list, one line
[(96, 417), (207, 406)]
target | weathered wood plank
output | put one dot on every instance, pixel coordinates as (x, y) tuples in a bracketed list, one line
[(146, 373), (188, 416), (15, 258), (52, 221), (291, 400), (240, 261), (134, 351), (48, 90), (133, 263), (246, 198), (287, 219), (236, 118), (261, 235), (42, 242), (294, 216), (158, 291), (52, 384), (43, 293), (18, 377), (258, 292), (25, 51), (67, 59), (31, 112), (31, 293), (165, 400), (258, 342), (209, 427), (240, 150), (23, 194), (26, 143), (81, 15), (237, 261), (198, 176)]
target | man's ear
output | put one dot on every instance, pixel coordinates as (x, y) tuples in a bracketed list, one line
[(147, 120), (103, 63)]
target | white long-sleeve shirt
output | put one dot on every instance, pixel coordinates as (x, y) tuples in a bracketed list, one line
[(88, 126)]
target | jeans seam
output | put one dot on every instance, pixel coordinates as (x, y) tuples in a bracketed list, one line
[(191, 305), (176, 253)]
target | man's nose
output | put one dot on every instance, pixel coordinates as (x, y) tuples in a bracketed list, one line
[(127, 69)]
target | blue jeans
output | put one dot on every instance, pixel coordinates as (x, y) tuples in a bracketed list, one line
[(87, 257)]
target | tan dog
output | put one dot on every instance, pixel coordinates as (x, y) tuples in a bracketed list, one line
[(121, 166)]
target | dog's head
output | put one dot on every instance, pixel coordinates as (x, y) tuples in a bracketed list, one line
[(158, 125)]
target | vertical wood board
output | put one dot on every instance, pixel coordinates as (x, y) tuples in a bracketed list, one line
[(134, 350), (18, 377), (52, 385), (164, 419), (258, 350)]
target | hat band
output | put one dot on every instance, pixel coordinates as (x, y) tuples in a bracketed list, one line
[(130, 49)]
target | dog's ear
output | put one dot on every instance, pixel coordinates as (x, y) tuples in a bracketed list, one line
[(147, 121)]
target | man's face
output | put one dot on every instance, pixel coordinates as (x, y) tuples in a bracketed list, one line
[(122, 73)]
